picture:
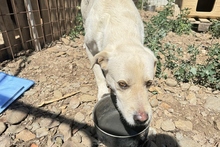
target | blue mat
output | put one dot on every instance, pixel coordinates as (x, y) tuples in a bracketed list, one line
[(11, 88)]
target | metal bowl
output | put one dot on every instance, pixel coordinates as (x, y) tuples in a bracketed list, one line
[(111, 128)]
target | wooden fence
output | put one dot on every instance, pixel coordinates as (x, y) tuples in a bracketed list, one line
[(31, 24)]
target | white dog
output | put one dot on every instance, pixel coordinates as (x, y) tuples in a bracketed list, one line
[(114, 44)]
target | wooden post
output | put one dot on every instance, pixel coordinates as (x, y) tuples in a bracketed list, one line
[(32, 23), (38, 22)]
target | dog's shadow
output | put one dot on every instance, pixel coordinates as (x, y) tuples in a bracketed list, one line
[(161, 140)]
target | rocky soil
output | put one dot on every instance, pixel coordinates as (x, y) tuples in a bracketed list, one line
[(57, 110)]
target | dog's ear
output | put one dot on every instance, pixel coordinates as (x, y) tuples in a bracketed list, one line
[(154, 57), (101, 58)]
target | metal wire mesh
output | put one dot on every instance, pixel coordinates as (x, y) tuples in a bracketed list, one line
[(32, 24)]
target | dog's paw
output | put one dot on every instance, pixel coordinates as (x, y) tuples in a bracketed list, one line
[(152, 132), (101, 95)]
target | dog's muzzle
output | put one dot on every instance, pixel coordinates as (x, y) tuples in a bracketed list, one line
[(140, 118)]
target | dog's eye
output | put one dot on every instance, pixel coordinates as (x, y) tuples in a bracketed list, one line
[(149, 83), (123, 84)]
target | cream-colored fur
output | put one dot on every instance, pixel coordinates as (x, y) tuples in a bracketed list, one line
[(114, 44)]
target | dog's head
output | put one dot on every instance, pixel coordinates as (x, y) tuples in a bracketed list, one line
[(129, 75)]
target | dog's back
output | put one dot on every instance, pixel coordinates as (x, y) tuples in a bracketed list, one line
[(111, 20)]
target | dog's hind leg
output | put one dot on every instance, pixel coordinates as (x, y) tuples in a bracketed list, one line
[(100, 79)]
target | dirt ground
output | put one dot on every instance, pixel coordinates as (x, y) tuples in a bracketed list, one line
[(184, 114)]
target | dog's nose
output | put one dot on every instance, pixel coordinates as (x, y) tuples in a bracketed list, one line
[(140, 117)]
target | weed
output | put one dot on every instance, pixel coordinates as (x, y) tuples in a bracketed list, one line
[(215, 28), (171, 58), (181, 24), (187, 70), (163, 23), (78, 29)]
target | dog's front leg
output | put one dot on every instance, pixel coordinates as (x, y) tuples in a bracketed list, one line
[(100, 79)]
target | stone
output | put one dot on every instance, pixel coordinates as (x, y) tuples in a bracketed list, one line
[(87, 142), (41, 132), (191, 97), (17, 115), (154, 89), (57, 94), (25, 135), (49, 123), (170, 89), (171, 82), (74, 103), (188, 142), (183, 125), (213, 103), (179, 136), (185, 86), (200, 138), (76, 85), (2, 127), (87, 98), (168, 125), (70, 143), (165, 105), (154, 102), (204, 114), (193, 101), (5, 141), (65, 41), (167, 113), (35, 126), (65, 129), (85, 89), (194, 88), (53, 49), (158, 123), (79, 117), (86, 138), (14, 129), (56, 111)]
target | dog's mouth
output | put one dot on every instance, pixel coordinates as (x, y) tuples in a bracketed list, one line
[(126, 123)]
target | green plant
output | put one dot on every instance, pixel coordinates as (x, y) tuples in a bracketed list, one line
[(78, 29), (185, 71), (215, 28), (161, 24), (209, 73), (170, 57), (181, 24), (188, 70)]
